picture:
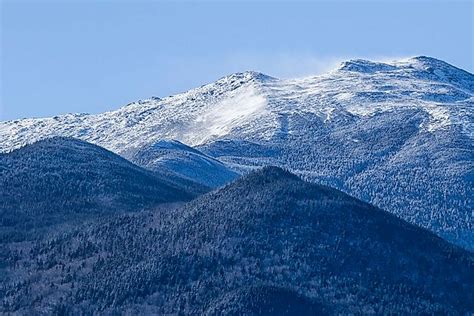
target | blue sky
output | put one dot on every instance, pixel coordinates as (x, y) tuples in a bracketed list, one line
[(92, 56)]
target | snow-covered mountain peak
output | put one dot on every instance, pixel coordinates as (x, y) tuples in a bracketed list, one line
[(251, 104), (426, 62), (429, 68), (246, 76), (364, 119), (231, 82), (365, 66), (420, 67)]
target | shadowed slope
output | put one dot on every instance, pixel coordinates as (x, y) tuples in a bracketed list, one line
[(61, 179), (269, 230)]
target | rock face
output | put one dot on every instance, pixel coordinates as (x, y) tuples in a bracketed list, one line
[(266, 243), (398, 135), (62, 180)]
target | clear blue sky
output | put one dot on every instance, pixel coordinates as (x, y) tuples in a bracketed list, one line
[(92, 56)]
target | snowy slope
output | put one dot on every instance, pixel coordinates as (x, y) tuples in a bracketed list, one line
[(187, 162), (237, 104), (399, 135)]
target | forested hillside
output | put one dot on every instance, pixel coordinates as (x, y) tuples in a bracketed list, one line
[(266, 243), (63, 180)]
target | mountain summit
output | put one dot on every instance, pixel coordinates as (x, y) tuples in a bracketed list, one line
[(398, 134)]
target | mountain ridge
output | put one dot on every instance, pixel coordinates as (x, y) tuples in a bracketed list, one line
[(62, 180), (293, 246), (342, 128), (184, 161)]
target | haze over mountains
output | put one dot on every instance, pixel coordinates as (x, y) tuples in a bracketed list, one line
[(398, 135)]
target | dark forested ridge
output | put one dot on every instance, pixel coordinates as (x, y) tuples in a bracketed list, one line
[(424, 178), (266, 243), (60, 180)]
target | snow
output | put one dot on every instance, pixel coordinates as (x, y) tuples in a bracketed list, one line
[(219, 120), (250, 105), (401, 131), (439, 118)]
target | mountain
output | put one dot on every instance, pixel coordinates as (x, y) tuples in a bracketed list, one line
[(62, 180), (180, 159), (266, 243), (398, 135)]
